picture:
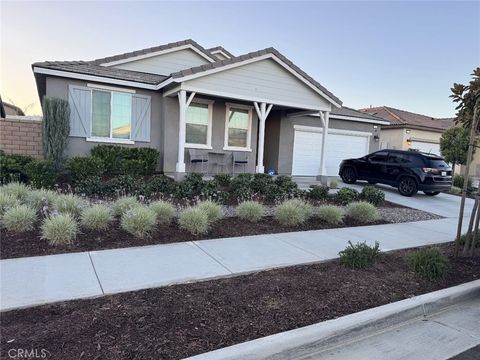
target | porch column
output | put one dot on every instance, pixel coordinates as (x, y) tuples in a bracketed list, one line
[(325, 116), (262, 111), (183, 103)]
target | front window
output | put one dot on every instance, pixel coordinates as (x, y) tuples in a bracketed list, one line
[(238, 128), (111, 114), (198, 122)]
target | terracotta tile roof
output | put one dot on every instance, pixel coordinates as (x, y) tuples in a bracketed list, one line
[(402, 118), (253, 55)]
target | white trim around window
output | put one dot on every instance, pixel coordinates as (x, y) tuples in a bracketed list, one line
[(110, 140), (208, 145), (249, 130)]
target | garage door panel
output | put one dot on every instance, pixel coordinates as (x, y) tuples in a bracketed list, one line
[(426, 147), (307, 150)]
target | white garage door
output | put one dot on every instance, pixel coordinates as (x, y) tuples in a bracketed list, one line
[(426, 147), (341, 144)]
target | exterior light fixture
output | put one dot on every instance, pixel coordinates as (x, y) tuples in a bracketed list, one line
[(407, 131), (409, 141)]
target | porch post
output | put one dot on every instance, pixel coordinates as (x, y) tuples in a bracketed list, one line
[(183, 103), (325, 117), (262, 111)]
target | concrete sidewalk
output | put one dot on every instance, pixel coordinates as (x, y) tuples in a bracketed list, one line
[(45, 279)]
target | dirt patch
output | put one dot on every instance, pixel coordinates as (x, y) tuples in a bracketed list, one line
[(184, 320), (30, 244)]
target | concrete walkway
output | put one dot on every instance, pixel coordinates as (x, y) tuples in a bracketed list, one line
[(45, 279)]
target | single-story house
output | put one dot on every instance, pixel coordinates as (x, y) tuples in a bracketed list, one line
[(409, 130), (189, 103)]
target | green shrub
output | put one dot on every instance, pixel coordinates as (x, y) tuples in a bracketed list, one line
[(7, 201), (127, 160), (360, 255), (69, 204), (330, 214), (41, 173), (261, 182), (250, 210), (19, 218), (12, 167), (60, 229), (318, 192), (91, 186), (362, 212), (164, 211), (223, 180), (458, 181), (273, 192), (191, 186), (16, 189), (428, 263), (84, 167), (111, 157), (372, 195), (55, 129), (123, 204), (463, 238), (38, 199), (121, 185), (345, 196), (158, 184), (455, 190), (213, 210), (139, 221), (293, 212), (333, 184), (133, 167), (194, 220), (96, 217), (286, 183)]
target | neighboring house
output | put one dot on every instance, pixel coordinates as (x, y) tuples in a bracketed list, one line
[(12, 109), (408, 130), (181, 98)]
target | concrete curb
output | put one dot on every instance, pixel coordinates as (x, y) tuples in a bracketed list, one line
[(296, 343)]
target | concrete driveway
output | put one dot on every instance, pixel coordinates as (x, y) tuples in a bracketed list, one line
[(443, 204)]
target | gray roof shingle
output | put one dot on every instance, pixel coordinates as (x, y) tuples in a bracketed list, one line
[(225, 51)]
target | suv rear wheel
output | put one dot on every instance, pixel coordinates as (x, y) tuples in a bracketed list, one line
[(431, 193), (407, 186), (348, 175)]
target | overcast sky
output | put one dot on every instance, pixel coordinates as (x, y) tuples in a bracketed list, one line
[(402, 54)]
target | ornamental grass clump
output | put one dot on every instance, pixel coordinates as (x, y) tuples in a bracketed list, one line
[(330, 214), (251, 211), (69, 204), (430, 264), (362, 212), (38, 199), (213, 210), (7, 201), (16, 189), (164, 211), (19, 218), (139, 221), (194, 220), (294, 212), (125, 203), (96, 217), (360, 255), (60, 229)]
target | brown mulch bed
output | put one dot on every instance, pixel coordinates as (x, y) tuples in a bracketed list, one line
[(30, 244), (183, 320)]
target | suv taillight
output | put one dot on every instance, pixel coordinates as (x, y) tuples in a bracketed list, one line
[(431, 171)]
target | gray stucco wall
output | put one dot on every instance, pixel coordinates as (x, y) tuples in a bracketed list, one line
[(171, 109), (58, 87), (285, 155)]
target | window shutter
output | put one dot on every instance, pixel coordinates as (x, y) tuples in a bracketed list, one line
[(80, 100), (141, 114)]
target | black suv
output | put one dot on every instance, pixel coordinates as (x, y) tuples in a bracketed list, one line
[(409, 171)]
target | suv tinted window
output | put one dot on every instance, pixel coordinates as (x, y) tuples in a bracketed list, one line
[(379, 157), (398, 158), (437, 163)]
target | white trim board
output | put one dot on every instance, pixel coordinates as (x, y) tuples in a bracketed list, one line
[(101, 79), (331, 130), (221, 52), (353, 118), (157, 53)]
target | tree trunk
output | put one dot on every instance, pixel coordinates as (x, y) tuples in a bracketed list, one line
[(468, 237), (471, 145), (475, 234)]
